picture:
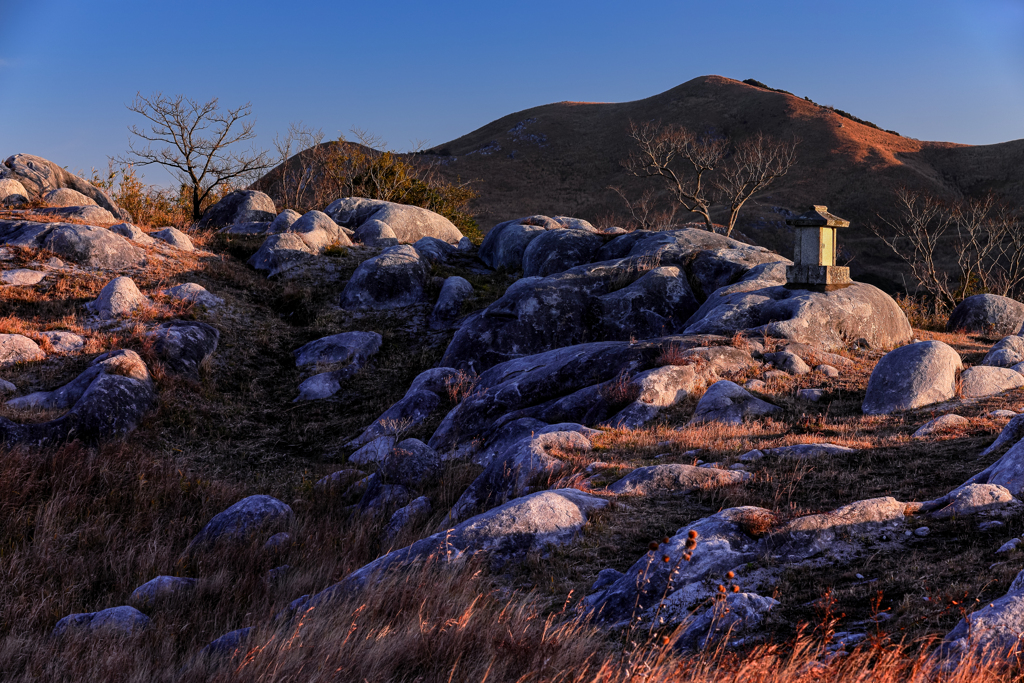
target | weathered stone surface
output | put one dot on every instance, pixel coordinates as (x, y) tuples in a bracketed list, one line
[(226, 645), (667, 385), (17, 348), (415, 512), (12, 193), (108, 399), (645, 481), (506, 243), (240, 206), (118, 298), (133, 233), (411, 463), (161, 590), (1006, 353), (174, 237), (196, 294), (969, 499), (7, 388), (912, 376), (38, 176), (1010, 435), (941, 424), (518, 471), (988, 314), (85, 245), (64, 342), (338, 482), (409, 223), (240, 523), (993, 632), (183, 345), (396, 278), (308, 236), (860, 314), (122, 621), (454, 292), (339, 348), (808, 451), (93, 215), (982, 380), (732, 617), (787, 361), (1007, 471), (251, 228), (283, 221), (65, 196), (411, 410), (556, 251), (374, 233), (729, 403)]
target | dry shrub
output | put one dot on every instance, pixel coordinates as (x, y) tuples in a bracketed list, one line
[(620, 391), (757, 523), (460, 385)]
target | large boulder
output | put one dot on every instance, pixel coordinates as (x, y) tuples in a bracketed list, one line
[(174, 237), (93, 215), (39, 176), (17, 348), (240, 206), (118, 298), (183, 345), (729, 403), (408, 223), (115, 621), (454, 293), (309, 235), (86, 245), (133, 233), (161, 590), (988, 314), (240, 524), (12, 193), (1007, 471), (912, 376), (1005, 353), (556, 251), (109, 399), (982, 380), (992, 633), (506, 244), (395, 278), (337, 357), (65, 196)]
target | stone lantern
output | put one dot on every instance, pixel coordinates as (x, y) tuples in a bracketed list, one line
[(814, 257)]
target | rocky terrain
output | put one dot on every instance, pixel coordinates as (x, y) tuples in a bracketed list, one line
[(352, 442)]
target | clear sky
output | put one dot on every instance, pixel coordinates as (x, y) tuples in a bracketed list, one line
[(434, 70)]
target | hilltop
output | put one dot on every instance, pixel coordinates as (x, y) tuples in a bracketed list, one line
[(560, 158)]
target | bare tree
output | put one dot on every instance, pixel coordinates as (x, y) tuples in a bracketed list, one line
[(644, 211), (954, 249), (754, 164), (683, 160), (298, 181), (194, 141)]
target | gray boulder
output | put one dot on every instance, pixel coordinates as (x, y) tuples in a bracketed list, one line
[(342, 355), (22, 277), (93, 215), (85, 245), (17, 348), (64, 342), (556, 251), (12, 193), (309, 235), (969, 499), (161, 590), (787, 361), (65, 196), (454, 292), (1010, 435), (395, 278), (981, 381), (174, 237), (645, 481), (419, 402), (119, 621), (988, 314), (1007, 471), (992, 633), (226, 645), (409, 223), (133, 233), (183, 345), (39, 176), (193, 293), (338, 482), (940, 424), (108, 399), (240, 523), (729, 403), (283, 221), (733, 616), (240, 206), (1005, 353), (118, 298), (411, 463), (374, 233), (415, 512), (912, 376)]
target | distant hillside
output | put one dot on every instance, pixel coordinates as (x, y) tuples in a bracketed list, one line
[(560, 158)]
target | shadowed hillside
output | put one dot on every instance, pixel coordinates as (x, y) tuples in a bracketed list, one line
[(560, 158)]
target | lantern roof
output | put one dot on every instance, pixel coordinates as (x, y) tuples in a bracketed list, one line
[(817, 217)]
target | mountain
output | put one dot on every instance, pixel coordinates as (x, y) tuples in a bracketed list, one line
[(559, 159)]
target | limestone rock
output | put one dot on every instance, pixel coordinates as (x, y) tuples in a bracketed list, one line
[(283, 221), (645, 481), (912, 376), (409, 223), (1007, 471), (981, 381), (237, 525), (12, 193), (339, 348), (735, 616), (729, 403), (396, 278), (422, 397), (133, 233), (17, 348), (1010, 435), (174, 237), (121, 621), (808, 451), (193, 293), (118, 298), (556, 251), (85, 245), (787, 361), (988, 314), (413, 513), (65, 196), (240, 206), (411, 463), (337, 482)]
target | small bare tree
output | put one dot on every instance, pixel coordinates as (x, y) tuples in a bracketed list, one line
[(683, 160), (700, 171), (753, 165), (296, 187), (644, 212), (954, 249), (194, 141)]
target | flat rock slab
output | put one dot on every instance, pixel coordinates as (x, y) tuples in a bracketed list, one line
[(911, 377), (675, 478), (22, 277)]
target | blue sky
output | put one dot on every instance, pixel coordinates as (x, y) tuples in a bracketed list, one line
[(411, 71)]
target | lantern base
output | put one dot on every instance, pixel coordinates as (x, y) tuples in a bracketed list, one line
[(808, 277)]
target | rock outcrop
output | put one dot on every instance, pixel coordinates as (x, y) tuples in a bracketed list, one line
[(39, 176), (240, 206), (85, 245), (408, 223)]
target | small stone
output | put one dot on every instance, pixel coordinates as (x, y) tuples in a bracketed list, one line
[(751, 456), (193, 293), (755, 385), (279, 542), (990, 525), (1009, 546), (22, 277), (941, 424), (174, 237), (64, 342), (860, 576), (812, 395), (827, 370), (119, 297), (7, 388), (691, 454), (738, 466), (1002, 413), (921, 531)]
